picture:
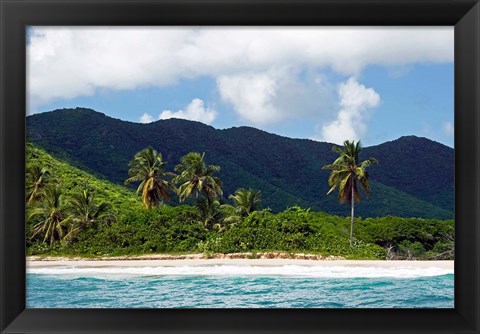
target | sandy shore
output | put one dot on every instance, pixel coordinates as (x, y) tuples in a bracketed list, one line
[(35, 263)]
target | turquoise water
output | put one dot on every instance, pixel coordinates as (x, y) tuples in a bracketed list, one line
[(242, 287)]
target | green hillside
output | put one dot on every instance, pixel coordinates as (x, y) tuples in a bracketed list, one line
[(73, 179), (415, 176), (135, 230)]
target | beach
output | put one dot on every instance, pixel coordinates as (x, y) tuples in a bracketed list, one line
[(139, 262)]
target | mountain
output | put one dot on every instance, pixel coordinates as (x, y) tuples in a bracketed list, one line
[(414, 178)]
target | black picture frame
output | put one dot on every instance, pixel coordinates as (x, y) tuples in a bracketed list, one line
[(15, 15)]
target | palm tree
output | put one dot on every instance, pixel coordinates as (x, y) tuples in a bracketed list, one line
[(228, 218), (346, 171), (37, 178), (245, 201), (209, 210), (148, 168), (84, 212), (196, 177), (53, 219)]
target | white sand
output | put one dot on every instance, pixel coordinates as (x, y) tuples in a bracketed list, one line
[(252, 262)]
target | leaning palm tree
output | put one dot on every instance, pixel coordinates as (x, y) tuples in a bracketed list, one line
[(148, 168), (346, 171), (51, 211), (37, 178), (245, 201), (196, 177), (84, 212)]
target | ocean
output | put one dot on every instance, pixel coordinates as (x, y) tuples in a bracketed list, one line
[(237, 286)]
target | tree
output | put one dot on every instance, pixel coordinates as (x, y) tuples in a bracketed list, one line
[(346, 171), (51, 211), (209, 211), (196, 177), (245, 201), (148, 168), (84, 212), (37, 178)]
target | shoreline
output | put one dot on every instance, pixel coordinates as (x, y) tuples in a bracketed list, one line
[(201, 260), (195, 256)]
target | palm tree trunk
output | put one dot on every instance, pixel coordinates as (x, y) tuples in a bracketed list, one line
[(353, 209)]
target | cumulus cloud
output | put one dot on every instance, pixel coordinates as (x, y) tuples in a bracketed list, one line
[(350, 124), (146, 118), (448, 129), (195, 111), (251, 95), (67, 62), (273, 96)]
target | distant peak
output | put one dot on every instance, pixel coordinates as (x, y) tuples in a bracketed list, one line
[(72, 110), (410, 137), (78, 109), (417, 139)]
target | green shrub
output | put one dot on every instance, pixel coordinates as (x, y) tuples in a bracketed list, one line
[(178, 230)]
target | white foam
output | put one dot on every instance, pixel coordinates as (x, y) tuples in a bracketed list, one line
[(246, 270)]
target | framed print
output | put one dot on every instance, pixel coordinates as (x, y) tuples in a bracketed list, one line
[(239, 166)]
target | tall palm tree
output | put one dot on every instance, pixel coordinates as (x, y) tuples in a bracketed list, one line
[(196, 177), (84, 212), (148, 168), (53, 220), (245, 201), (37, 178), (346, 171)]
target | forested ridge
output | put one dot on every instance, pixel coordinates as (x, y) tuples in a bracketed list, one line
[(414, 177)]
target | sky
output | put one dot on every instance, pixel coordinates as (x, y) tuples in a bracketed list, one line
[(329, 84)]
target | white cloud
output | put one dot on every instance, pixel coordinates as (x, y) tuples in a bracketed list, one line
[(273, 96), (68, 62), (448, 129), (146, 118), (251, 95), (195, 111), (350, 124)]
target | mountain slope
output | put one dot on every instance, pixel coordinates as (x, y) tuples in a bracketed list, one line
[(417, 166), (414, 177), (73, 180)]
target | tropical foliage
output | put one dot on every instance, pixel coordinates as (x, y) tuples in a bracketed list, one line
[(347, 173), (208, 211), (176, 230), (51, 211), (37, 178), (246, 201), (196, 177), (212, 225), (148, 168), (84, 212)]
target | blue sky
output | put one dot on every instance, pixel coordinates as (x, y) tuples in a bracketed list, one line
[(325, 84)]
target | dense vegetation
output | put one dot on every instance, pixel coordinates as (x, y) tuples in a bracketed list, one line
[(105, 219), (74, 180), (415, 177)]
